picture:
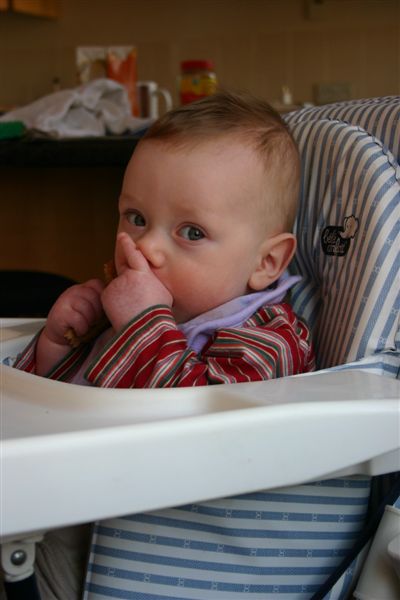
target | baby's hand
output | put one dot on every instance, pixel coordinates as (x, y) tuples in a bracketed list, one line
[(78, 308), (135, 288)]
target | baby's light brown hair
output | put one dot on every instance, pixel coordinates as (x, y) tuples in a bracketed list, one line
[(256, 123)]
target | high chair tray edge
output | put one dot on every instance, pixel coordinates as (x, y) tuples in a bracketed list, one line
[(79, 454)]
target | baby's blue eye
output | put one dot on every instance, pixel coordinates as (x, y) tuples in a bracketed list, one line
[(136, 219), (192, 233)]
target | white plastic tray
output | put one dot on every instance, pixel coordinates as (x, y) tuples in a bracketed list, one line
[(73, 454)]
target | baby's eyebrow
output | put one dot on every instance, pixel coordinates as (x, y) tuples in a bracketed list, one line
[(126, 199)]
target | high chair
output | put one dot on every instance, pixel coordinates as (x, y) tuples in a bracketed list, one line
[(271, 480)]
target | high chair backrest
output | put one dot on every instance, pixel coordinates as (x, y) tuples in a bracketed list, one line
[(380, 117), (348, 230)]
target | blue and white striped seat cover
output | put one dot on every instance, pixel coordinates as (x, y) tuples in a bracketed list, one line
[(348, 230), (380, 117), (280, 543), (256, 546)]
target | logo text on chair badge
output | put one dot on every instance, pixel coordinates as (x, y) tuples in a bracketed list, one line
[(335, 239)]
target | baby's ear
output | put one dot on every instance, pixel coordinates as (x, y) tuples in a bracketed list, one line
[(275, 255)]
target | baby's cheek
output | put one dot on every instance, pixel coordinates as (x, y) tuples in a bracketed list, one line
[(194, 303)]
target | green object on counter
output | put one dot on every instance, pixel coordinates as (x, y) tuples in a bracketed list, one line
[(11, 129)]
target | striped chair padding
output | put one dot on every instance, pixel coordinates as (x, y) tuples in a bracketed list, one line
[(281, 543), (348, 231), (380, 117)]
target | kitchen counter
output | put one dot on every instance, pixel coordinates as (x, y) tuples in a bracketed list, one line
[(110, 151)]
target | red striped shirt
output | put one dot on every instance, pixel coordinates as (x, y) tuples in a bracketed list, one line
[(152, 352)]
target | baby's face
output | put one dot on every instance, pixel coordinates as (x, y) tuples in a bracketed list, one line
[(192, 213)]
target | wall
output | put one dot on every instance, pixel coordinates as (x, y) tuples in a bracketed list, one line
[(256, 44)]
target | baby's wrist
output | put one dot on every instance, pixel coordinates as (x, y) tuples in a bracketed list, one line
[(120, 323), (49, 353)]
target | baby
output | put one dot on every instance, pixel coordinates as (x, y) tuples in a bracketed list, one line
[(204, 239)]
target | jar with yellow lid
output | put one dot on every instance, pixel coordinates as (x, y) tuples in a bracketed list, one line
[(197, 80)]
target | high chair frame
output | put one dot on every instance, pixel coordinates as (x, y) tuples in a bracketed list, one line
[(162, 448)]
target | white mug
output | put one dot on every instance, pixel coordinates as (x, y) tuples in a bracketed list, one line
[(148, 94)]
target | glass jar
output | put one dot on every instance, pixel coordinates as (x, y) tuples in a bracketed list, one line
[(197, 80)]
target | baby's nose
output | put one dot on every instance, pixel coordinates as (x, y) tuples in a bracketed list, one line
[(151, 247)]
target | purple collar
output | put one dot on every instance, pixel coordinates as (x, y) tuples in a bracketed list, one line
[(233, 313)]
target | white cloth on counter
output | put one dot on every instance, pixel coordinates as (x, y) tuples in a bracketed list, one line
[(93, 109)]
